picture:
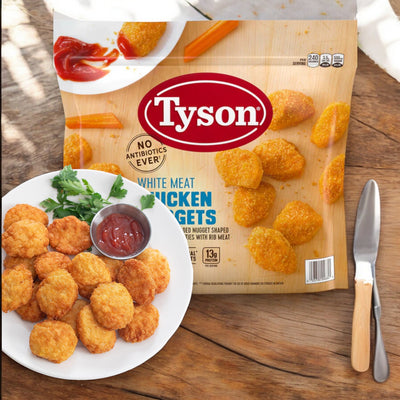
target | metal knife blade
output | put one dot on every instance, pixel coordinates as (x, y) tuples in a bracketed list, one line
[(368, 222), (365, 250)]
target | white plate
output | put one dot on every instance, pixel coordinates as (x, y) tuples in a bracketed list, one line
[(167, 236), (122, 72)]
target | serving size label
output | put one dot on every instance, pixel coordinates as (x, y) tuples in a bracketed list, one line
[(325, 60)]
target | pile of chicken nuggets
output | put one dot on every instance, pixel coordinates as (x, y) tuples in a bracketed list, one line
[(70, 294), (279, 159)]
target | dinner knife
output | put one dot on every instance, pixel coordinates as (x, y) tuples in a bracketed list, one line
[(381, 368), (365, 249)]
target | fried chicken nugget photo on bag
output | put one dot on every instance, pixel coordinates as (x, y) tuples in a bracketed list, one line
[(239, 167), (290, 108), (271, 250)]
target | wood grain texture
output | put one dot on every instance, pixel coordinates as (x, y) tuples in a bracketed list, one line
[(231, 346)]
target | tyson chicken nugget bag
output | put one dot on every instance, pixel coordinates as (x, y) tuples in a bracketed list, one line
[(238, 126)]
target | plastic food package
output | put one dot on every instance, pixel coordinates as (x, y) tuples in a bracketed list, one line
[(238, 127)]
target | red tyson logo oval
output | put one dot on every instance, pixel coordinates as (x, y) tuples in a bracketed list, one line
[(205, 112)]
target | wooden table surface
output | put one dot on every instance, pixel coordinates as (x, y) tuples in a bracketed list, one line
[(228, 346)]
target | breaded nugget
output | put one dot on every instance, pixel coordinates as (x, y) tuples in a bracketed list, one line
[(93, 336), (239, 167), (142, 37), (280, 159), (53, 340), (252, 205), (24, 211), (25, 238), (143, 324), (16, 287), (49, 262), (88, 270), (57, 293), (137, 278), (112, 305), (31, 311), (69, 235), (290, 107), (10, 262), (71, 316), (159, 267), (77, 151), (331, 125), (107, 167), (298, 222), (271, 250), (331, 182), (112, 265)]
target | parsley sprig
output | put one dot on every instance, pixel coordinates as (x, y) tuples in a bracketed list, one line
[(87, 204)]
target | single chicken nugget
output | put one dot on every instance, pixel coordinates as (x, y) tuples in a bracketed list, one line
[(239, 167), (69, 235), (77, 151), (252, 205), (159, 267), (57, 293), (137, 278), (298, 222), (88, 270), (137, 39), (107, 167), (112, 305), (280, 159), (49, 262), (25, 238), (289, 108), (143, 324), (31, 311), (24, 211), (331, 125), (16, 287), (93, 336), (10, 262), (331, 182), (112, 265), (71, 316), (271, 250), (53, 340)]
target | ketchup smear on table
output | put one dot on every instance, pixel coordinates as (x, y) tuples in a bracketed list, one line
[(125, 47), (72, 57), (119, 235)]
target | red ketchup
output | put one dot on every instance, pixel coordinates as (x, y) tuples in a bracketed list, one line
[(119, 235), (125, 47), (72, 57)]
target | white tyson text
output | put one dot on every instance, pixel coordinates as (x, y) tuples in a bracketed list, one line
[(205, 115)]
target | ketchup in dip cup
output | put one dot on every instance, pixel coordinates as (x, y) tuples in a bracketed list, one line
[(120, 231), (119, 235)]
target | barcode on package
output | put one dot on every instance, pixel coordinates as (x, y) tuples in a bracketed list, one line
[(320, 270)]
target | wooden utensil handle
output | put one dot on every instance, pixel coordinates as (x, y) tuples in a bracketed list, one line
[(360, 341)]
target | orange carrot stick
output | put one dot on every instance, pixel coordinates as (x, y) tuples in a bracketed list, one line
[(92, 121), (206, 40)]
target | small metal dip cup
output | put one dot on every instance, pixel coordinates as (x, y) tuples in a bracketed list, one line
[(121, 208)]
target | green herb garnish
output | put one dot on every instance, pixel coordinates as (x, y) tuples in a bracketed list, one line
[(147, 201), (89, 202)]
